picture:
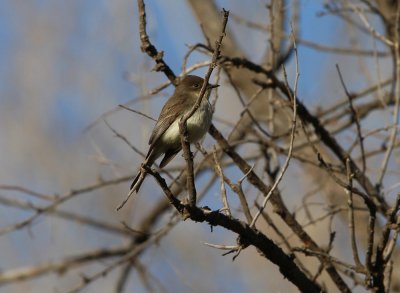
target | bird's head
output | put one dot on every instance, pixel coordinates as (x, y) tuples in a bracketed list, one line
[(193, 84)]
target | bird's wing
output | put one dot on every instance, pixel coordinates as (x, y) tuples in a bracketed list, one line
[(171, 111)]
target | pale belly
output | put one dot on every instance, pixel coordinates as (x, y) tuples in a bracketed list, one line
[(197, 126)]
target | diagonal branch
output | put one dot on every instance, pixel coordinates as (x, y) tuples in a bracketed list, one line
[(247, 236), (149, 48)]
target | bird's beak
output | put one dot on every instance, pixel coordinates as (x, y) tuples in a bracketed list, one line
[(212, 86)]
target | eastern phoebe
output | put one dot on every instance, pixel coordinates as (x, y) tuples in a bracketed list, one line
[(165, 138)]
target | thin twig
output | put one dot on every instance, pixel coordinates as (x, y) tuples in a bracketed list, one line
[(289, 155), (182, 123), (71, 216), (130, 255), (351, 216), (123, 138), (393, 221), (396, 110), (356, 120), (28, 191), (147, 47), (60, 200), (137, 112), (223, 190), (371, 29)]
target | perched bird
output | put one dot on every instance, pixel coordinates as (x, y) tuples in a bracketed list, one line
[(165, 138)]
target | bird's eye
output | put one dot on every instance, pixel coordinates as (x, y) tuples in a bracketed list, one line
[(196, 85)]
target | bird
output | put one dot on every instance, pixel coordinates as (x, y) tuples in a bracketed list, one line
[(165, 138)]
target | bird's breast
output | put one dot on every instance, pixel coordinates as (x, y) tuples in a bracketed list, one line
[(197, 125)]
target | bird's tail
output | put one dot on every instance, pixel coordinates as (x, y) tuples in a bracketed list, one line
[(135, 186), (137, 182)]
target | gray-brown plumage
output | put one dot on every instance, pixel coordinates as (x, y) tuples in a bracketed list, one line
[(165, 138)]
